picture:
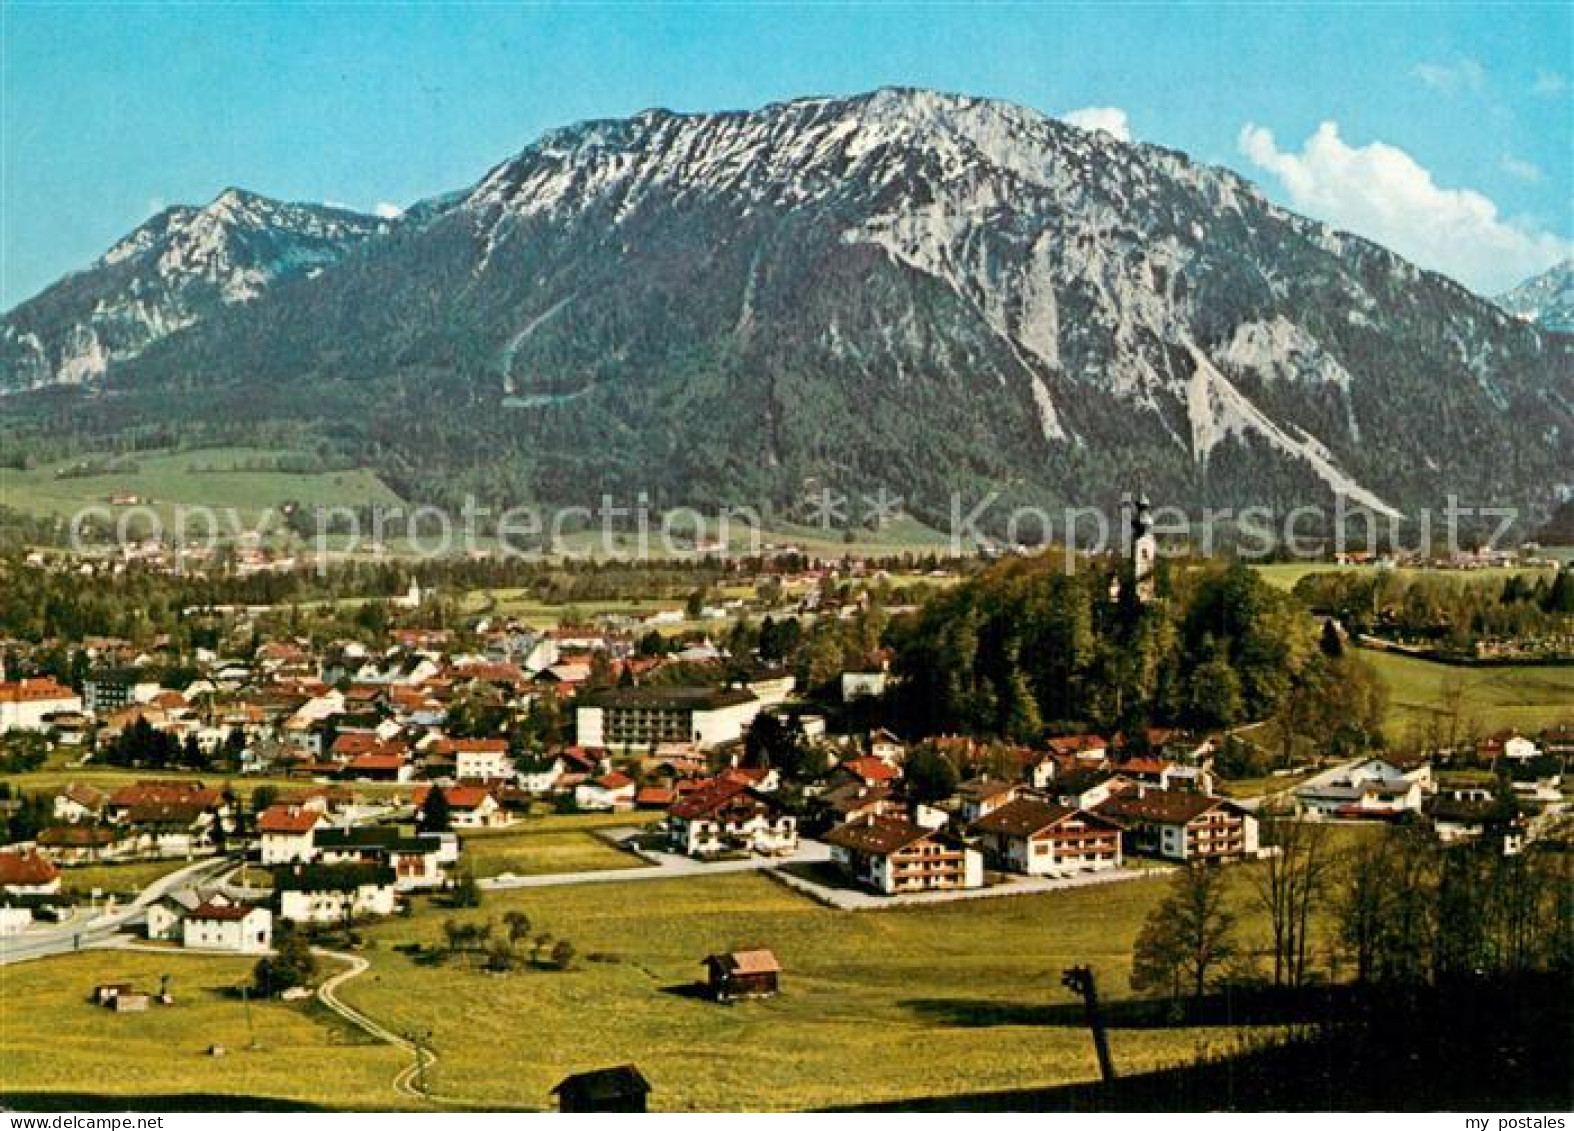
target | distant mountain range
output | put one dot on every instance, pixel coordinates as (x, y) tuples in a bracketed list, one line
[(168, 275), (923, 292), (1547, 300)]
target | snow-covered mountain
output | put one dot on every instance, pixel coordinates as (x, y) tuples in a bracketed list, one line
[(919, 291), (173, 271), (1547, 300)]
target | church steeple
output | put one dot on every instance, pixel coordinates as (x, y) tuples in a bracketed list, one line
[(1144, 546)]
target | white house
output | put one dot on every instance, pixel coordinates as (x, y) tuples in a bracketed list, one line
[(863, 684), (730, 814), (332, 894), (637, 719), (286, 834), (1520, 749), (25, 704), (219, 924), (469, 807), (169, 911), (28, 873), (540, 776), (893, 856), (14, 920), (1373, 788), (613, 792), (1037, 838), (481, 759)]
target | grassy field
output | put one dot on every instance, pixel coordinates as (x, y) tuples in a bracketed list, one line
[(909, 1002), (51, 1039), (52, 779), (203, 476), (118, 878), (968, 984), (1284, 575), (1494, 698), (529, 850)]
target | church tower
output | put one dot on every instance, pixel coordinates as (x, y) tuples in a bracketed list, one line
[(1144, 549)]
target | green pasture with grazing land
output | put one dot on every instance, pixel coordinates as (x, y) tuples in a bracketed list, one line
[(107, 778), (53, 1040), (526, 850), (973, 984), (212, 477), (1285, 575), (1526, 697), (118, 878)]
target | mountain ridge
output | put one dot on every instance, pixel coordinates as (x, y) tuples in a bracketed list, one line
[(167, 274), (1547, 299), (903, 288)]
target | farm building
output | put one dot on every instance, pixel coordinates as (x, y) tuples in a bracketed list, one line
[(742, 974)]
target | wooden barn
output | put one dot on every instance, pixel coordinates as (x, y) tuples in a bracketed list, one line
[(743, 974), (623, 1088)]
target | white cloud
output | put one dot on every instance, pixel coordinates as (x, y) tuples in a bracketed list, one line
[(1379, 191), (388, 211), (1451, 78), (1520, 169), (1111, 119), (1550, 84)]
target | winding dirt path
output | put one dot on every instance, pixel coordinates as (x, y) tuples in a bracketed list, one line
[(408, 1081)]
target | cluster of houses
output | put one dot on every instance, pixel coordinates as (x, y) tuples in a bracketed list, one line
[(1078, 807)]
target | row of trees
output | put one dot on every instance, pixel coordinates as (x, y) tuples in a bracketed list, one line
[(1397, 907), (1450, 612)]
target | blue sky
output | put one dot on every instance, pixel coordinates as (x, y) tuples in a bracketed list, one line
[(1445, 131)]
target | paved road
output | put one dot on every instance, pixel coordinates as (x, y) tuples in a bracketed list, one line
[(63, 939), (856, 899)]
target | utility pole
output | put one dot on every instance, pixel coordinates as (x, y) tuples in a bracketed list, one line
[(1079, 980)]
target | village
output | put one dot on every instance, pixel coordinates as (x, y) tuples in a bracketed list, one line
[(287, 795)]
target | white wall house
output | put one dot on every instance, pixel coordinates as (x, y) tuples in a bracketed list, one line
[(286, 834), (332, 895), (25, 703), (221, 925), (637, 719)]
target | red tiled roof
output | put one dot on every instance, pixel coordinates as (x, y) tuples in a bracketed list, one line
[(34, 690), (223, 912), (880, 836), (1077, 743), (1165, 807), (459, 796), (25, 869), (470, 746), (869, 769), (287, 819), (614, 780), (376, 762), (708, 798)]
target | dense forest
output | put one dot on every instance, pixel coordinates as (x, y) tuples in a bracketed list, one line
[(1028, 648)]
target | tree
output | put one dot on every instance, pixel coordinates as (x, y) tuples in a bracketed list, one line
[(1332, 641), (1288, 885), (774, 743), (563, 954), (517, 924), (1188, 937), (291, 965), (929, 774), (435, 815), (466, 892)]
